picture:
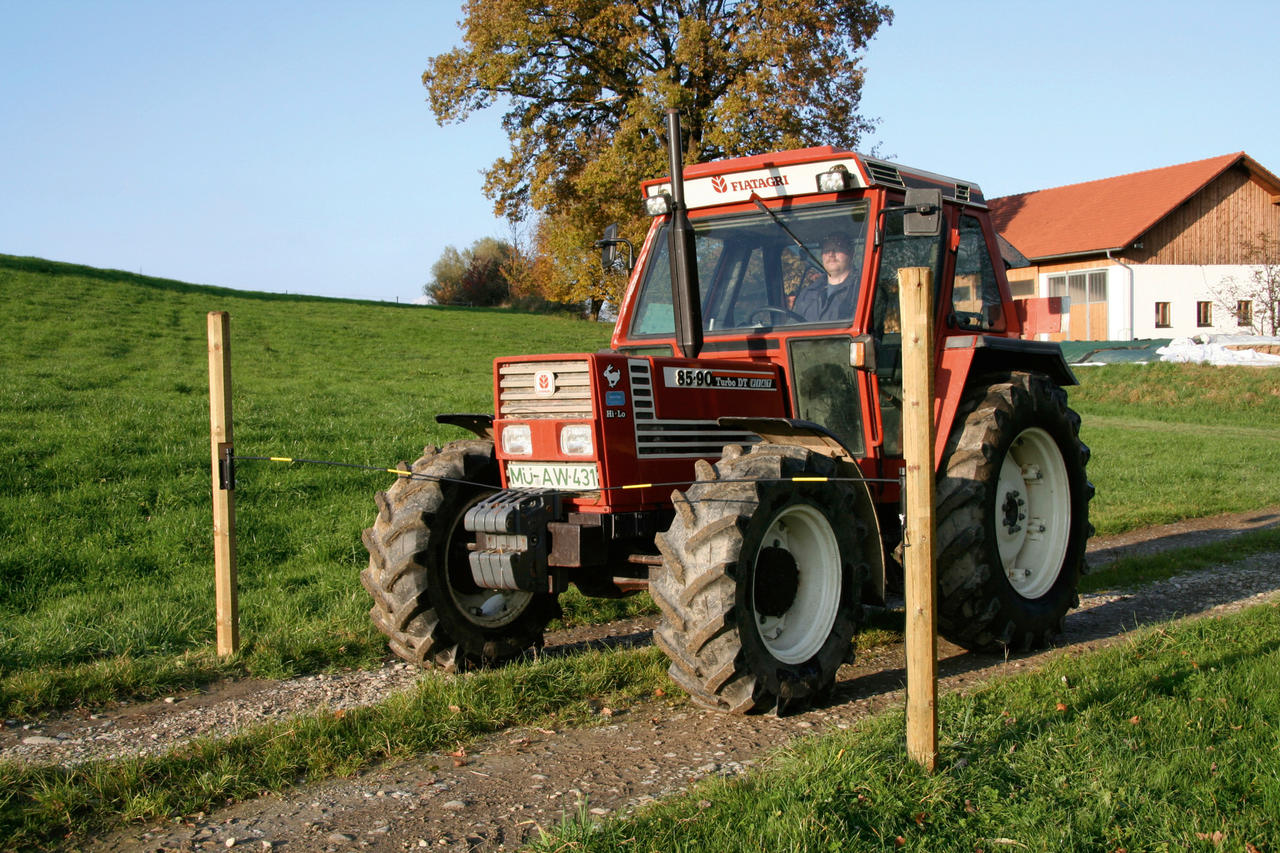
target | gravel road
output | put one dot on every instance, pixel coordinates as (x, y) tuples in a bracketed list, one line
[(519, 780)]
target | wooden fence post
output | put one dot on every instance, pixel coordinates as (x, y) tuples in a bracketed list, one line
[(224, 503), (915, 298)]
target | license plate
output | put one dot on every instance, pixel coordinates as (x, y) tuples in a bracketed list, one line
[(552, 475)]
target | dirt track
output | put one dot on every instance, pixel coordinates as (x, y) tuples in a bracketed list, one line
[(519, 780)]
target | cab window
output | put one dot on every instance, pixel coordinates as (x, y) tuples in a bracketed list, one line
[(752, 268), (975, 296)]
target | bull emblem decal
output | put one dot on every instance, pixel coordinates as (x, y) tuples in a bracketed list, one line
[(544, 383)]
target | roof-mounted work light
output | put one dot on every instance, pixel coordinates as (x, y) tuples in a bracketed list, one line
[(834, 181), (657, 205)]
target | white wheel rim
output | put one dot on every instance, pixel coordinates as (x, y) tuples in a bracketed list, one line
[(1033, 513), (800, 632)]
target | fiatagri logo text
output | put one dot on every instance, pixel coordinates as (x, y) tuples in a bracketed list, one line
[(720, 185)]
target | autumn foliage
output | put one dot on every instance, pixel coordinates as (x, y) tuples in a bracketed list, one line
[(585, 84)]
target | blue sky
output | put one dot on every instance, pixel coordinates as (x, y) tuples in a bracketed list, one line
[(287, 146)]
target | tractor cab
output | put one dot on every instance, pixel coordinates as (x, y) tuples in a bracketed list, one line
[(797, 260)]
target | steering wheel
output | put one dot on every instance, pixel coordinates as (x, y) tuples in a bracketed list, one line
[(759, 315)]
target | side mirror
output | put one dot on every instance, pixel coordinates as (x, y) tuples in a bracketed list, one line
[(924, 216), (608, 246)]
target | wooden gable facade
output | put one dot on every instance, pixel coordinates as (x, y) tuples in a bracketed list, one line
[(1216, 223), (1139, 255)]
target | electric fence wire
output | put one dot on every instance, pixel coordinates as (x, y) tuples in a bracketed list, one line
[(413, 475)]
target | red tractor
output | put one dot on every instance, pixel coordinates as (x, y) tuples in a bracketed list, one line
[(737, 450)]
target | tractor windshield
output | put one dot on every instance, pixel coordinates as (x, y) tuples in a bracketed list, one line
[(765, 268)]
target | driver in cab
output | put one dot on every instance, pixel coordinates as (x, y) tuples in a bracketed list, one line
[(833, 299)]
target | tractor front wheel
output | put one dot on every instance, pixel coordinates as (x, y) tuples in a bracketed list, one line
[(760, 580), (425, 599)]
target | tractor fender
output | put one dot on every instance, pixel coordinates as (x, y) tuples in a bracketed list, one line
[(994, 354), (819, 439), (966, 356), (480, 425)]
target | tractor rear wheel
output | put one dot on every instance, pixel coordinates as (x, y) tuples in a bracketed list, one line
[(760, 582), (425, 599), (1013, 516)]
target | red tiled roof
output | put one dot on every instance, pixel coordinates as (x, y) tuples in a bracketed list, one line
[(1108, 214)]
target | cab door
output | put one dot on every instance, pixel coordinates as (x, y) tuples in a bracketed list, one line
[(897, 251)]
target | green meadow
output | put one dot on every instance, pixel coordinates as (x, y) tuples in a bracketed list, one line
[(106, 579), (105, 493)]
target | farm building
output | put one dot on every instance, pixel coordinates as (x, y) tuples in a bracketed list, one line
[(1154, 254)]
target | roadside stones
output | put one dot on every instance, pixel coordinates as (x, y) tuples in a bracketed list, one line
[(113, 735)]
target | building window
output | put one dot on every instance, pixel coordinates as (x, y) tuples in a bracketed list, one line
[(1162, 315), (1204, 314), (1080, 291), (1022, 288), (1244, 312), (1081, 288)]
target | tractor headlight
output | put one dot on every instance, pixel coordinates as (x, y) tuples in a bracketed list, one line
[(517, 440), (575, 440)]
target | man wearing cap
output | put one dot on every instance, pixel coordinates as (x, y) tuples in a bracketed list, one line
[(834, 299)]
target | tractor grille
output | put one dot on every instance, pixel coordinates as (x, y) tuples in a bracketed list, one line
[(675, 439), (571, 397)]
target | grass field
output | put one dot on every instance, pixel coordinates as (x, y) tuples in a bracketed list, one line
[(105, 510), (105, 558), (1174, 441)]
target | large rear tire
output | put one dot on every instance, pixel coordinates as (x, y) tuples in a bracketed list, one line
[(760, 582), (1013, 516), (425, 599)]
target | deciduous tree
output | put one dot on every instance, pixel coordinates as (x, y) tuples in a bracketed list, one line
[(585, 84), (474, 276), (1255, 299)]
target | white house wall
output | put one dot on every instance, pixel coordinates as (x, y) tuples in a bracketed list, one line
[(1182, 286)]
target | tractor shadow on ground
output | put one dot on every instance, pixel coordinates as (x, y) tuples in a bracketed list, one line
[(1184, 534), (639, 637)]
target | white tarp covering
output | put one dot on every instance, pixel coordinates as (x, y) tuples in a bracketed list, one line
[(1213, 349)]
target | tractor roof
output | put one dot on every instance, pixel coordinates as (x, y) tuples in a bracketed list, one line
[(795, 172)]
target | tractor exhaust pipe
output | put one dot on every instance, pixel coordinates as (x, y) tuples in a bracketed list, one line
[(684, 259)]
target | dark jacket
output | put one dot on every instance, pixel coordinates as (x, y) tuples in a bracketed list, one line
[(827, 302)]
